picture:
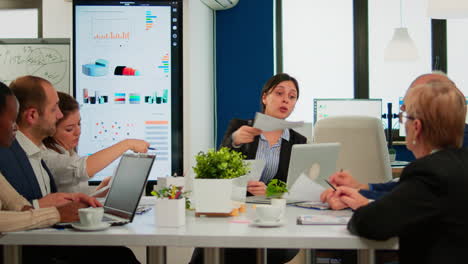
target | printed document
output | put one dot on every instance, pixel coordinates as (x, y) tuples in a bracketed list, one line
[(268, 123)]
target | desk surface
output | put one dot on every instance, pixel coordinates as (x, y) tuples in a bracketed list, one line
[(207, 232)]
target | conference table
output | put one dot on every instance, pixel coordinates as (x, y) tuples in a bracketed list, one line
[(211, 233)]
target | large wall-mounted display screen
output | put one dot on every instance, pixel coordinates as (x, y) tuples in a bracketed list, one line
[(128, 78)]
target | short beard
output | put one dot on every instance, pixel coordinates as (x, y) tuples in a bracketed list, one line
[(45, 132)]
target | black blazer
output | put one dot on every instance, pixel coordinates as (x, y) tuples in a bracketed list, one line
[(426, 210), (15, 166), (250, 149)]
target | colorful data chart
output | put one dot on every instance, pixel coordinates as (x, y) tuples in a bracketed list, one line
[(119, 98), (155, 99), (88, 98), (164, 63), (134, 98), (112, 131), (112, 35), (99, 68), (150, 20), (157, 135), (124, 70)]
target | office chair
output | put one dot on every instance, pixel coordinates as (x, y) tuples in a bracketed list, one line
[(364, 150)]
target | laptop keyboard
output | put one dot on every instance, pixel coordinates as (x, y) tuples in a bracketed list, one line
[(107, 219)]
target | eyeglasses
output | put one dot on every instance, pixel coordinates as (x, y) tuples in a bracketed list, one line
[(403, 117)]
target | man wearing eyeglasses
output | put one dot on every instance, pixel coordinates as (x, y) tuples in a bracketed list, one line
[(374, 191)]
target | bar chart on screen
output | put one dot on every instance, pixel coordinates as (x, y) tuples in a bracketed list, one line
[(150, 18), (158, 136)]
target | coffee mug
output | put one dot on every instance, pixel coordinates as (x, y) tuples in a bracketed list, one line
[(281, 203), (268, 213), (91, 216)]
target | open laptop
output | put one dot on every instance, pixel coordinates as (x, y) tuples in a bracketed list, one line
[(127, 188), (317, 160)]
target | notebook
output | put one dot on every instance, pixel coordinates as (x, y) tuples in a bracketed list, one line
[(127, 188)]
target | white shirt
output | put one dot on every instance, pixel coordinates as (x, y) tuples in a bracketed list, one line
[(68, 169), (34, 154)]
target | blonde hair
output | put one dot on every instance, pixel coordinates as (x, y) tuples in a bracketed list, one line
[(441, 108)]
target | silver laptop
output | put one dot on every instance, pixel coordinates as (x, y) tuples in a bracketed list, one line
[(317, 160), (127, 188)]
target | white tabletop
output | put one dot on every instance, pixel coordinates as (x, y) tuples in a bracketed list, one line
[(207, 232)]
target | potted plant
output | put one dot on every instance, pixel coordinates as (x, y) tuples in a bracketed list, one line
[(170, 206), (392, 154), (218, 184), (275, 190)]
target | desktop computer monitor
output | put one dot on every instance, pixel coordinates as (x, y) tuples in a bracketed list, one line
[(402, 132), (324, 108)]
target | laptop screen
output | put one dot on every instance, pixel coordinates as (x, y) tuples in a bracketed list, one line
[(128, 184)]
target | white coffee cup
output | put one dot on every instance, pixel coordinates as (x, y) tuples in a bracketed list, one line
[(268, 213), (91, 216), (281, 203)]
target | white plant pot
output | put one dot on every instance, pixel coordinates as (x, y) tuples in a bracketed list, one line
[(239, 188), (213, 195), (169, 212)]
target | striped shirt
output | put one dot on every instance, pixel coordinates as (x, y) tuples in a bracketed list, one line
[(270, 155)]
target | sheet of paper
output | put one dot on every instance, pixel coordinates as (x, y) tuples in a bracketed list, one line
[(256, 169), (305, 189), (322, 220), (268, 123)]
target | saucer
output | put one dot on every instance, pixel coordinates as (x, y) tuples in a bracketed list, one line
[(101, 226), (258, 222)]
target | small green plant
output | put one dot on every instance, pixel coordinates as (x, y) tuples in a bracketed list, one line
[(391, 151), (222, 164), (276, 188), (173, 193)]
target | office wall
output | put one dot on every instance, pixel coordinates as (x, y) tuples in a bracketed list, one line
[(57, 19), (244, 59), (198, 80)]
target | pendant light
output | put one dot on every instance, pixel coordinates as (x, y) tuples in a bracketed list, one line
[(401, 47)]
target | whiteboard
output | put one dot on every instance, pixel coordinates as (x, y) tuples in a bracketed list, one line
[(46, 58)]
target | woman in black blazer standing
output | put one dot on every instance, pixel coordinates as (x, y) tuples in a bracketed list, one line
[(278, 99)]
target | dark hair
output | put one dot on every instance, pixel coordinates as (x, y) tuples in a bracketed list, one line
[(67, 105), (4, 93), (29, 90), (273, 82)]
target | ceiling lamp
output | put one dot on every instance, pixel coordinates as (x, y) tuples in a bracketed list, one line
[(401, 47), (444, 9)]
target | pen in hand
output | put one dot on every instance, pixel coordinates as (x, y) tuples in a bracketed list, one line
[(331, 185)]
